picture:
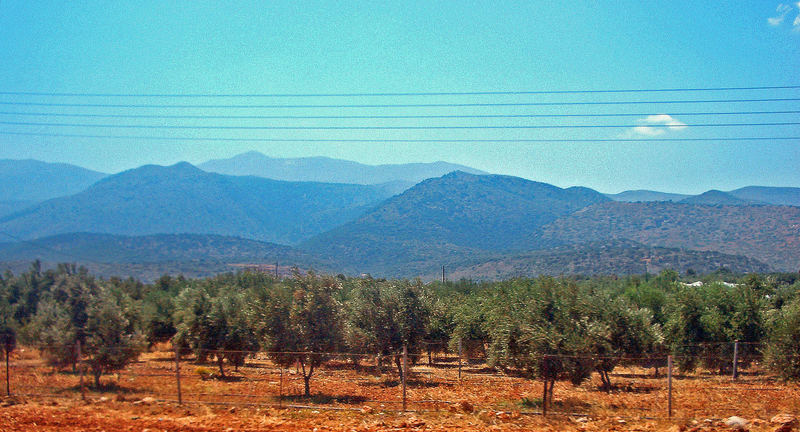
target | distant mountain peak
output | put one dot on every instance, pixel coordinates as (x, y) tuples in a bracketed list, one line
[(329, 170), (717, 197)]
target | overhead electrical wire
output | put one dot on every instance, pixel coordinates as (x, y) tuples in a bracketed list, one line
[(416, 105), (433, 140), (423, 116), (390, 94), (219, 127)]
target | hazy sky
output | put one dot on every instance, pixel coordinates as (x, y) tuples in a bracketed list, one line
[(371, 47)]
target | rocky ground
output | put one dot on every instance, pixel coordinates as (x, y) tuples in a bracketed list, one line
[(143, 398)]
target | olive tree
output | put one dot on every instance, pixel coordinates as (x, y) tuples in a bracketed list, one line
[(215, 321), (384, 316), (782, 354), (301, 323), (110, 342)]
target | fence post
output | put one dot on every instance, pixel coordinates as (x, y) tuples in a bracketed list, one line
[(544, 398), (735, 359), (669, 386), (8, 385), (178, 374), (459, 360), (280, 390), (405, 373), (80, 368)]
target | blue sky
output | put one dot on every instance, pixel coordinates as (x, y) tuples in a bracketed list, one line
[(368, 47)]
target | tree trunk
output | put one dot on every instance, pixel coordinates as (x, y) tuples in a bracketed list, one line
[(307, 378), (97, 373), (606, 380), (399, 364), (219, 363)]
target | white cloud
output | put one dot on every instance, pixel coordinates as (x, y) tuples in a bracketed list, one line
[(647, 131), (783, 10), (655, 125), (664, 119)]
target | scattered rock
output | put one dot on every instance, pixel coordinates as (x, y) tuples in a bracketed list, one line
[(788, 427), (502, 415), (232, 410), (414, 422), (582, 420), (783, 419), (736, 423), (10, 401), (145, 401), (367, 410), (466, 407)]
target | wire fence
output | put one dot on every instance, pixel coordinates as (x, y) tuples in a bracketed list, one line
[(435, 379)]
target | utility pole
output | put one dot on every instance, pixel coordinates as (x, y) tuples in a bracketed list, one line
[(276, 270), (443, 279)]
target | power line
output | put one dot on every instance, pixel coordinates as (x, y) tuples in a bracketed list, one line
[(218, 127), (418, 105), (475, 93), (425, 116), (346, 140)]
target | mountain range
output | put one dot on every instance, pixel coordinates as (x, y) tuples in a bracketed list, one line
[(184, 199), (444, 218), (182, 219), (328, 170), (748, 195)]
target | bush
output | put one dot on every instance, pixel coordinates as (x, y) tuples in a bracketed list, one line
[(783, 343)]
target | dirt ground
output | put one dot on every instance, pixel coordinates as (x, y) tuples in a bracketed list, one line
[(143, 397)]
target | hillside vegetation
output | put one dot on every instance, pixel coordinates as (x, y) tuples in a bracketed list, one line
[(770, 234), (454, 215), (604, 258)]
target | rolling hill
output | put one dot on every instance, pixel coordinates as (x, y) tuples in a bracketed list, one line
[(770, 234), (604, 258), (31, 181), (445, 219), (770, 195), (642, 195), (743, 196), (148, 257), (328, 170), (716, 197), (184, 199)]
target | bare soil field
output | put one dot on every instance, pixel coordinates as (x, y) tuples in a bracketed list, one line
[(261, 396)]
